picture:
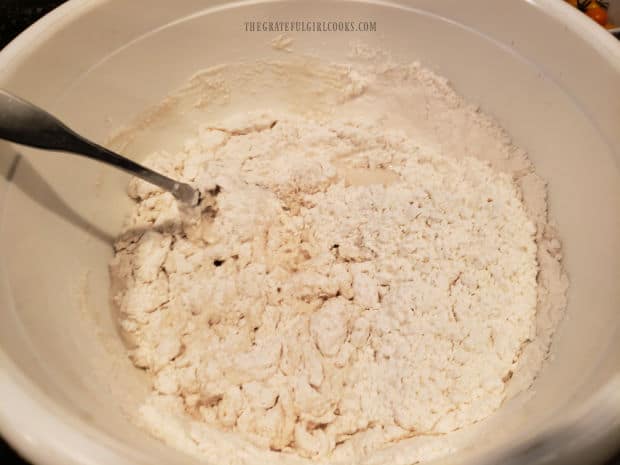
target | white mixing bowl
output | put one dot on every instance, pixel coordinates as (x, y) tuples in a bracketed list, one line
[(549, 74)]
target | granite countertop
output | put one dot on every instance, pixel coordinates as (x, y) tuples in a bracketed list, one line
[(16, 16)]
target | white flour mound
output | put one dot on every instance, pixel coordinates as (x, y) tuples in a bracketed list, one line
[(344, 289)]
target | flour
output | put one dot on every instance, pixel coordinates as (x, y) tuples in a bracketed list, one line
[(348, 287), (282, 42)]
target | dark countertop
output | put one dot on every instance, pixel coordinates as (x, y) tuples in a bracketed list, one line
[(16, 16)]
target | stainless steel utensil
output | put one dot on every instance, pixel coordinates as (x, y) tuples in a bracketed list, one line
[(26, 124)]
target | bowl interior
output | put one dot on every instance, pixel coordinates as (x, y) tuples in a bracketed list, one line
[(105, 62)]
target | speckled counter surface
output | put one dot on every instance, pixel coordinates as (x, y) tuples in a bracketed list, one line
[(15, 16)]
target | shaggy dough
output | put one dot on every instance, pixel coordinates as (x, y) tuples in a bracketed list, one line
[(343, 288)]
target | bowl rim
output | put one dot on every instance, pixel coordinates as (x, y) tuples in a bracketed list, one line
[(90, 446), (32, 439)]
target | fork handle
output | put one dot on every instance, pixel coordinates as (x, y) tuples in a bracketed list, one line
[(26, 124)]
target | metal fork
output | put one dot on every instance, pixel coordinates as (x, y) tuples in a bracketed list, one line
[(26, 124)]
